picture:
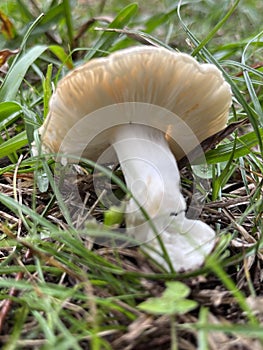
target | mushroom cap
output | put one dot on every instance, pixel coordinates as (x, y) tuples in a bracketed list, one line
[(146, 76)]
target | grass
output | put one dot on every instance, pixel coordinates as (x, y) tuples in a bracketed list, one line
[(58, 290)]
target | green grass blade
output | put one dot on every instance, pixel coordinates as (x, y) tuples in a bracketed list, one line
[(215, 29), (107, 39), (16, 207), (202, 334), (16, 75), (52, 16), (250, 87), (13, 144), (242, 148), (20, 318), (23, 9), (68, 17), (236, 91), (247, 330), (28, 33), (218, 270), (7, 109), (47, 89), (61, 55)]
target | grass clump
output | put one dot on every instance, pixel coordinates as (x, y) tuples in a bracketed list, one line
[(59, 289)]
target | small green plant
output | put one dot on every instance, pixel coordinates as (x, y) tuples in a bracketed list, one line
[(172, 302)]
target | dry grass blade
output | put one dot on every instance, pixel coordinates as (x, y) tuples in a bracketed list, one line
[(141, 37), (212, 141)]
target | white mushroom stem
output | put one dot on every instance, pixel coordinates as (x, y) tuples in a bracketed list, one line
[(151, 174), (150, 170)]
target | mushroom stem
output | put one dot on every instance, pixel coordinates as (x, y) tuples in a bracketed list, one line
[(151, 174), (149, 169)]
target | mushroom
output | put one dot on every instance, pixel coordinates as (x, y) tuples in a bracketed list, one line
[(152, 105)]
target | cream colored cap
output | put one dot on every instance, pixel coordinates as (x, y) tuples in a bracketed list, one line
[(196, 93)]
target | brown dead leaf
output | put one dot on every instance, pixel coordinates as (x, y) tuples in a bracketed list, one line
[(7, 28), (136, 328), (88, 24), (5, 54)]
